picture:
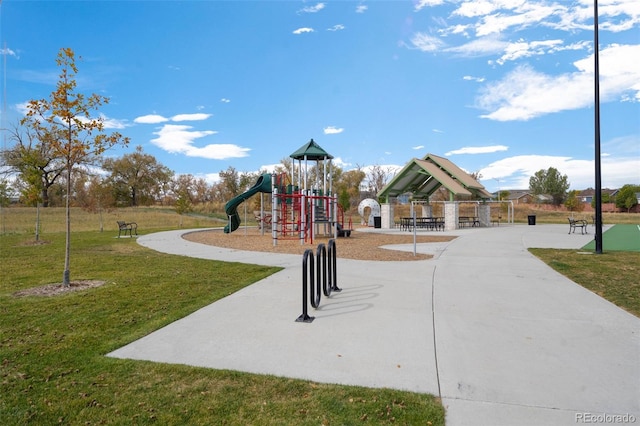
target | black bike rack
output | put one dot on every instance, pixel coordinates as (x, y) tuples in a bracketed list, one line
[(323, 282)]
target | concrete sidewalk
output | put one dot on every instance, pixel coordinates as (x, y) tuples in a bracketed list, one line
[(502, 338)]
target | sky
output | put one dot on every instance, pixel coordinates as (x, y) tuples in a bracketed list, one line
[(503, 88)]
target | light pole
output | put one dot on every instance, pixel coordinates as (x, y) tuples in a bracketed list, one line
[(499, 189), (598, 173)]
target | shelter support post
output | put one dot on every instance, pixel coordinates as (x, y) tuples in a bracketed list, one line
[(386, 214), (484, 215), (450, 215)]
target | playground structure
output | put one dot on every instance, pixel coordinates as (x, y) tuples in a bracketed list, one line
[(374, 211), (302, 204)]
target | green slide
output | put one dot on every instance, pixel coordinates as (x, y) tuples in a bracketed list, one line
[(263, 184)]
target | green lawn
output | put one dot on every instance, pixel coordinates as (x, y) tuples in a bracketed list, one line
[(612, 275), (52, 349)]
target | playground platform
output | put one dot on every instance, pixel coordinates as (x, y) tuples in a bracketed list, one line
[(499, 336)]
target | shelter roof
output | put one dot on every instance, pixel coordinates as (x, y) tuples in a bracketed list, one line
[(424, 177), (312, 151)]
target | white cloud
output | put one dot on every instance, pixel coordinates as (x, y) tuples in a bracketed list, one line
[(437, 131), (426, 43), (361, 8), (225, 100), (523, 49), (190, 117), (421, 4), (472, 9), (524, 15), (514, 172), (210, 178), (8, 52), (113, 123), (478, 150), (179, 139), (155, 118), (337, 27), (471, 78), (525, 93), (417, 148), (150, 119), (332, 130), (480, 47), (108, 123), (22, 108), (619, 71), (312, 9), (338, 161), (303, 30)]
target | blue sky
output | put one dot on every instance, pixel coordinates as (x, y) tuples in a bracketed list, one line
[(500, 87)]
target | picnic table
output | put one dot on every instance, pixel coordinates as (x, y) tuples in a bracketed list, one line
[(431, 223)]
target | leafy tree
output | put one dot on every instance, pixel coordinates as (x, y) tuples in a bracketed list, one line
[(572, 203), (183, 191), (626, 197), (605, 197), (4, 193), (344, 200), (34, 161), (349, 183), (229, 183), (201, 191), (136, 178), (64, 124), (550, 182)]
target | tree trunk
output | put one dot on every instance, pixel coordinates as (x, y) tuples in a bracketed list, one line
[(45, 196), (67, 248)]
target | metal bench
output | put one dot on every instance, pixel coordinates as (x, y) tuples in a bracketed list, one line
[(127, 227), (471, 221), (578, 223)]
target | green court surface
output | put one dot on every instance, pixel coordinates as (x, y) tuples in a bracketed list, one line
[(619, 238)]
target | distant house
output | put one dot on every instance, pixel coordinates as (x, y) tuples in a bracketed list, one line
[(523, 196), (587, 195)]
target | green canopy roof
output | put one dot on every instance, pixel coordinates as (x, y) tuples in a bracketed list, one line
[(312, 151), (424, 177)]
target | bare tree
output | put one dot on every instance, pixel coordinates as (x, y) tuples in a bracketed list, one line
[(377, 177)]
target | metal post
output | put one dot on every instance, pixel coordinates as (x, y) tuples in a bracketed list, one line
[(598, 172), (308, 254)]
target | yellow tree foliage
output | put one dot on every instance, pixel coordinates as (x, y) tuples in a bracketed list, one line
[(64, 123)]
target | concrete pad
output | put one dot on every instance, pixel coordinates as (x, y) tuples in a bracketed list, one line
[(502, 338)]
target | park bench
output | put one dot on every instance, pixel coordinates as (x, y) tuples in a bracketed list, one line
[(127, 227), (464, 221), (578, 223)]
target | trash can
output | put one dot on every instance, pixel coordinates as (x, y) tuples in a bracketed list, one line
[(377, 222), (532, 219)]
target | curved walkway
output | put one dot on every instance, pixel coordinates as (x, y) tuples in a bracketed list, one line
[(502, 338)]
